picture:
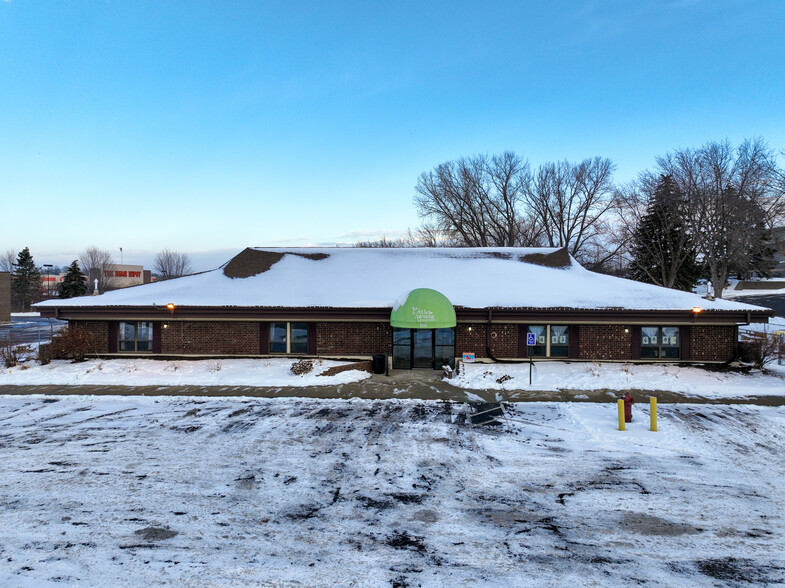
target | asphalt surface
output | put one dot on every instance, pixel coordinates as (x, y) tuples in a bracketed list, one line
[(774, 301)]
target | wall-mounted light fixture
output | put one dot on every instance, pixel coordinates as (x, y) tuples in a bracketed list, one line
[(626, 329), (170, 306)]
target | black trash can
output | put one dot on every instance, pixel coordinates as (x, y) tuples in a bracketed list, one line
[(379, 359)]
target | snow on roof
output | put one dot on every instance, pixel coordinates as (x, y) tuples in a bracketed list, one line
[(375, 278)]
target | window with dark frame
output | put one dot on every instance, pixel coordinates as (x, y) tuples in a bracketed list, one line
[(551, 341), (135, 336), (660, 343), (289, 338)]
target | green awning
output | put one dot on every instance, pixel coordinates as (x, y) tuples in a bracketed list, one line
[(423, 308)]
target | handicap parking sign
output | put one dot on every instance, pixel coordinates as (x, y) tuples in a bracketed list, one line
[(531, 339)]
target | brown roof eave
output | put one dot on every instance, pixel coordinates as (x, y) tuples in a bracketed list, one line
[(497, 315)]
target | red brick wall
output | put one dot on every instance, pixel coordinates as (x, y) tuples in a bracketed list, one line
[(364, 366), (353, 338), (5, 296), (597, 342), (504, 345), (219, 337), (99, 330), (605, 342), (713, 343)]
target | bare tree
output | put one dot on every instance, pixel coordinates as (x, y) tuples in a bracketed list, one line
[(172, 264), (383, 243), (7, 261), (98, 264), (733, 194), (429, 235), (477, 201), (426, 235), (570, 202)]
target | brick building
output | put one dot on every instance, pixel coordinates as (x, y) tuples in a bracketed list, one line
[(5, 297), (424, 307)]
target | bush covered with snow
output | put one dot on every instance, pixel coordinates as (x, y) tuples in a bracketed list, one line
[(302, 367)]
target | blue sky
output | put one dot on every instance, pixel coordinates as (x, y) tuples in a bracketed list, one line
[(205, 126)]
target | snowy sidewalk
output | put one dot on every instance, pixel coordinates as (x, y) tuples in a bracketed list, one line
[(272, 378)]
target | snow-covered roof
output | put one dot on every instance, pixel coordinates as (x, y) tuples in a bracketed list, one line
[(375, 278)]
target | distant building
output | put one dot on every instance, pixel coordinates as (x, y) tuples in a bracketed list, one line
[(50, 284), (121, 276), (5, 297)]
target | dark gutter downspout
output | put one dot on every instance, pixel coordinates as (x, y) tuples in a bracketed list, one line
[(736, 354), (488, 350)]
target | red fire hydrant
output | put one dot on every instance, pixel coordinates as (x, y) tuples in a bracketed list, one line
[(628, 402)]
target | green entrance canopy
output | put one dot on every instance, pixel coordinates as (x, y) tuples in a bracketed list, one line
[(423, 308)]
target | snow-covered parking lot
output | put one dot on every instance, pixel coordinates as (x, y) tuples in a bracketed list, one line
[(136, 491)]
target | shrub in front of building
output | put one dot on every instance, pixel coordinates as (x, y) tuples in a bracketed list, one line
[(302, 367), (760, 349), (8, 353), (73, 343)]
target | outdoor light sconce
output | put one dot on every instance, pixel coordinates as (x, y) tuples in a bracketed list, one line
[(626, 329), (170, 306), (695, 311), (469, 329)]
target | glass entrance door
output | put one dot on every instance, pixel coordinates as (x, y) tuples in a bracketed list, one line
[(423, 348)]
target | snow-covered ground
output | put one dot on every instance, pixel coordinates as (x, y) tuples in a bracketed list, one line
[(153, 372), (134, 491), (685, 380)]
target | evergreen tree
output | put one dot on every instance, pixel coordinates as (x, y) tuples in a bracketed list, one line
[(74, 283), (25, 281), (663, 250)]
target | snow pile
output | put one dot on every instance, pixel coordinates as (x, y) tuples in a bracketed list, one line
[(236, 492), (686, 380), (151, 372)]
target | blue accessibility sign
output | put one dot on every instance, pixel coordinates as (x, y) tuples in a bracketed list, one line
[(531, 339)]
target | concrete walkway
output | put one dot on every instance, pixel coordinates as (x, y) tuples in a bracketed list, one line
[(404, 384)]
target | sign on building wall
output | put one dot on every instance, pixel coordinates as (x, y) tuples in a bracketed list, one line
[(423, 308)]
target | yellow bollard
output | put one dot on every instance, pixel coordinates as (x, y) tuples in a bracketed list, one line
[(653, 412), (621, 415)]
